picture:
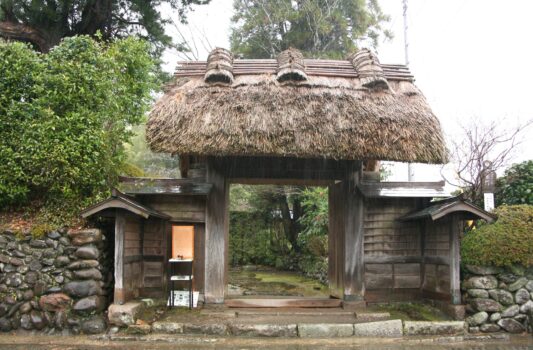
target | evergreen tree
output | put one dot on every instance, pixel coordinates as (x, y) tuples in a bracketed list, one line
[(43, 23), (322, 28)]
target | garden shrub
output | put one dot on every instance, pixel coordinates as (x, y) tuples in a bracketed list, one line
[(506, 242), (65, 116), (516, 186)]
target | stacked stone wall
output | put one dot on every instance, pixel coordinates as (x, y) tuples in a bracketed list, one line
[(58, 283), (498, 299)]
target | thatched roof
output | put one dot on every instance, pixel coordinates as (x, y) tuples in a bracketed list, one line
[(345, 109)]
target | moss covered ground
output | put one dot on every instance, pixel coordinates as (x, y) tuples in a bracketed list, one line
[(265, 281), (410, 311)]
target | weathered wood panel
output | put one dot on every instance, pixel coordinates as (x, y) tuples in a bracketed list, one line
[(154, 251), (216, 234), (179, 208), (393, 260), (354, 273), (437, 238), (199, 257)]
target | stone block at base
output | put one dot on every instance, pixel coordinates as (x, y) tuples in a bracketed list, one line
[(323, 330), (126, 314), (264, 330), (167, 327), (205, 329), (383, 329), (434, 328)]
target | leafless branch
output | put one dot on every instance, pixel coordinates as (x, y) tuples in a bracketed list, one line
[(482, 148)]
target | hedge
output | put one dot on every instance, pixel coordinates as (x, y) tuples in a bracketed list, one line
[(506, 242)]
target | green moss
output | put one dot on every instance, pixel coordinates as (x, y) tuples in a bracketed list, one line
[(40, 230), (411, 311), (280, 283)]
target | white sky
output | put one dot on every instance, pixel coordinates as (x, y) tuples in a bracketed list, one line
[(470, 58)]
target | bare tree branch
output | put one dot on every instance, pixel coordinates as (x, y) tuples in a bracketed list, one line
[(480, 149)]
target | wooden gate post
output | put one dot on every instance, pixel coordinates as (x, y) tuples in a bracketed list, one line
[(216, 234), (354, 287), (455, 259), (119, 296)]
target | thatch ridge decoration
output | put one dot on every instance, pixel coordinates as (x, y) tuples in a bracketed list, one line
[(219, 66), (291, 66), (367, 65)]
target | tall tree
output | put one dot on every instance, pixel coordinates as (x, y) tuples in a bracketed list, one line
[(322, 28), (44, 23)]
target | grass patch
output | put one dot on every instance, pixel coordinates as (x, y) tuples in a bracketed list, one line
[(411, 311)]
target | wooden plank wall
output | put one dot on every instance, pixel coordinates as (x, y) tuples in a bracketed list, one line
[(436, 279), (133, 235), (392, 250), (179, 208), (154, 257)]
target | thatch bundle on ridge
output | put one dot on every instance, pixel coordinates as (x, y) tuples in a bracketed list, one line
[(320, 109)]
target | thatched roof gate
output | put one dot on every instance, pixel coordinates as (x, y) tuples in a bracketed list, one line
[(295, 107)]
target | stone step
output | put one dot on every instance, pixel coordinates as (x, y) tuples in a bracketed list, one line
[(379, 329)]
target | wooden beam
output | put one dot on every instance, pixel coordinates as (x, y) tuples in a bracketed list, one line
[(285, 182), (119, 294), (408, 259), (216, 234), (455, 282)]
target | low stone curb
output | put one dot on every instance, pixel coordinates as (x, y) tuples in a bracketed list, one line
[(434, 328), (378, 329), (322, 330), (381, 329)]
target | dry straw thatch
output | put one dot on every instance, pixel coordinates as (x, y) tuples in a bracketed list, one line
[(328, 115)]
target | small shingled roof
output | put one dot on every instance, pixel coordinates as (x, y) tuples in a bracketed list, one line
[(119, 200), (447, 206)]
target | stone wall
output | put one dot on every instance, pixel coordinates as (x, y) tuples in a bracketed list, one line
[(61, 282), (498, 299)]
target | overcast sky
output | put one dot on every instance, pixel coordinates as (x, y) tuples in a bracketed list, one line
[(470, 58)]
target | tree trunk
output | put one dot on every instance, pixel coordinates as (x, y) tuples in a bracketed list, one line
[(22, 32)]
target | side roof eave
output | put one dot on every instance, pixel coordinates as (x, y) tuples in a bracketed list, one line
[(119, 200), (449, 206)]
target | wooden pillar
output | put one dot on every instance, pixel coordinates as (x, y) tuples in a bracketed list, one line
[(423, 229), (455, 279), (336, 240), (216, 234), (119, 293), (354, 288)]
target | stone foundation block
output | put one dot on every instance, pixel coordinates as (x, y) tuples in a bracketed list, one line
[(205, 329), (434, 328), (264, 330), (167, 327), (325, 330), (382, 329), (126, 314)]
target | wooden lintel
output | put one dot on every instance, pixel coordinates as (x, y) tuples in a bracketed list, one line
[(284, 181)]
